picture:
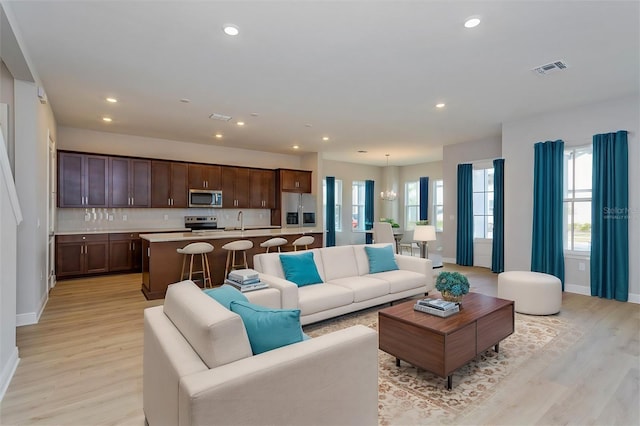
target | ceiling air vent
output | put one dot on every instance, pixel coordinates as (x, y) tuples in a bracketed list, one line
[(221, 117), (550, 68)]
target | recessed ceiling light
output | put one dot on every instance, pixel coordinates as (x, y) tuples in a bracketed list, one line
[(107, 119), (254, 114), (295, 147), (472, 22), (219, 135), (362, 151), (440, 105), (185, 100), (325, 138), (231, 30), (111, 100), (240, 123), (308, 125)]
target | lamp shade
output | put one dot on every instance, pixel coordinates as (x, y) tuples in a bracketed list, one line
[(424, 233)]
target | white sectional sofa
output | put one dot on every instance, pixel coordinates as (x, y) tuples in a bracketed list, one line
[(347, 284), (198, 369)]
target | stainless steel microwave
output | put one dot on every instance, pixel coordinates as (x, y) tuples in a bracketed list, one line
[(205, 198)]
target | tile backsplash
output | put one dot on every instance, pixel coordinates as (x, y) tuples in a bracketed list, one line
[(106, 219)]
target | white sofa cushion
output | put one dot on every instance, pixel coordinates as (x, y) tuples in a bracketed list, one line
[(216, 334), (339, 262), (364, 288), (401, 280), (320, 297)]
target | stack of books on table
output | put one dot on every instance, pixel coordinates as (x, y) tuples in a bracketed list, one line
[(438, 307), (245, 280)]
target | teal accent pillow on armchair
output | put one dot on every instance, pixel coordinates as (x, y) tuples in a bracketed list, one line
[(225, 295), (269, 328), (300, 269), (381, 259)]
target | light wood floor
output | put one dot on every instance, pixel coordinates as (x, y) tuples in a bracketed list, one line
[(82, 364)]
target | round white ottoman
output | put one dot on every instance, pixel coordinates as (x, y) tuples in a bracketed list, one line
[(534, 293)]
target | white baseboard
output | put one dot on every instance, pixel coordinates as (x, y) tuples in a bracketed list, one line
[(8, 370), (577, 289), (449, 260), (586, 291), (31, 318)]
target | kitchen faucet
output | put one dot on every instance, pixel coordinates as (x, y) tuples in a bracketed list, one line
[(241, 219)]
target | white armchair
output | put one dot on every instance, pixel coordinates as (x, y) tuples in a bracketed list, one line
[(198, 369)]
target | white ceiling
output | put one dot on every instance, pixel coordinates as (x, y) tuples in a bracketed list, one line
[(367, 74)]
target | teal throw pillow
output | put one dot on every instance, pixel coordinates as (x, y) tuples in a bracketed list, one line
[(269, 328), (225, 295), (300, 269), (381, 259)]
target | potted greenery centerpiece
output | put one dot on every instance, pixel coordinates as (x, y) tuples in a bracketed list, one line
[(452, 286), (393, 223)]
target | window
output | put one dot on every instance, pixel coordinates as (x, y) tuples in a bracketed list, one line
[(483, 203), (438, 205), (411, 204), (577, 198), (357, 205), (338, 206)]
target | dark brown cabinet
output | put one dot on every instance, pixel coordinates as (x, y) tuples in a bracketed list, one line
[(235, 187), (295, 180), (130, 182), (202, 176), (83, 180), (169, 184), (125, 252), (82, 255), (262, 189)]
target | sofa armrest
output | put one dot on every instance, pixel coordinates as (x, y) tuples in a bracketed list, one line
[(327, 380), (419, 265), (167, 357), (288, 290)]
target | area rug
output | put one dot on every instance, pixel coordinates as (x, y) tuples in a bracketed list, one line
[(408, 396)]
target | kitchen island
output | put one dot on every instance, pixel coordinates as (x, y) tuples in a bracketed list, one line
[(161, 263)]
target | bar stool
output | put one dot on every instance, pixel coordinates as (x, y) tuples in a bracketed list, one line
[(232, 248), (273, 242), (303, 241), (192, 250)]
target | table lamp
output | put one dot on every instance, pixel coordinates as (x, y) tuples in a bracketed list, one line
[(422, 234)]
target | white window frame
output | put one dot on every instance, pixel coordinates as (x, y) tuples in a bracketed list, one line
[(338, 200), (569, 233), (438, 203), (410, 224), (357, 205), (488, 202)]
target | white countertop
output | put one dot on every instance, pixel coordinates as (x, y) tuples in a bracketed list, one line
[(120, 231), (220, 234)]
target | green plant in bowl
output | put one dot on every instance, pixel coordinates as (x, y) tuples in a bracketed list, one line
[(452, 285)]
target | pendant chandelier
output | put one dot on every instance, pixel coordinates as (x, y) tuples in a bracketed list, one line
[(390, 194)]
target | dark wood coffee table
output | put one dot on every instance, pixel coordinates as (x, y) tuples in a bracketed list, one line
[(442, 345)]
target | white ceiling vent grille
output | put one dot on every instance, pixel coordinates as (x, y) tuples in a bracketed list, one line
[(550, 68), (221, 117)]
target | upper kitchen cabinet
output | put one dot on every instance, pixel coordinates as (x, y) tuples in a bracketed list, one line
[(202, 176), (262, 189), (235, 187), (294, 180), (83, 180), (169, 182), (130, 182)]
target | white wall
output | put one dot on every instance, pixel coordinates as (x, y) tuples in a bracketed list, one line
[(452, 155), (33, 121), (349, 172), (73, 139), (575, 127)]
